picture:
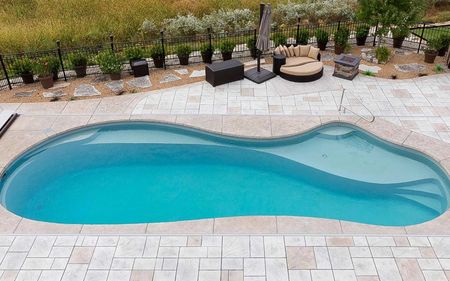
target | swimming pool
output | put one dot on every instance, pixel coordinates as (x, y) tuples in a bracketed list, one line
[(139, 172)]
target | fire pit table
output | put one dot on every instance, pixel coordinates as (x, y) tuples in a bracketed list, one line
[(346, 66)]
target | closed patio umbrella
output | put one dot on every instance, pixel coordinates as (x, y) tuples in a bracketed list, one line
[(257, 74)]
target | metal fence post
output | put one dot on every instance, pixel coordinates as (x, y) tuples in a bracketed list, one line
[(339, 25), (375, 35), (58, 45), (111, 41), (298, 31), (421, 37), (163, 49), (210, 38), (5, 72)]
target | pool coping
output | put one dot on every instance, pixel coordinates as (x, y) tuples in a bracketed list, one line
[(256, 127)]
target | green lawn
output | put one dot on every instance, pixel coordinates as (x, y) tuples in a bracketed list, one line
[(430, 33)]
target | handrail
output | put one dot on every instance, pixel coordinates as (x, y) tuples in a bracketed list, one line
[(341, 106)]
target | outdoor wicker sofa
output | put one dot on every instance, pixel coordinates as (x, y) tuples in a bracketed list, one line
[(299, 64)]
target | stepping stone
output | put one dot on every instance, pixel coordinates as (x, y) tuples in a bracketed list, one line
[(86, 90), (115, 86), (197, 73), (183, 71), (170, 78), (410, 67), (140, 82), (60, 85), (56, 94), (24, 94), (373, 69)]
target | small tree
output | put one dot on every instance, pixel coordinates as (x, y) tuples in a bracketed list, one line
[(390, 13)]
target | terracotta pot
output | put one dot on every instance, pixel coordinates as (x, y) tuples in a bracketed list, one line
[(322, 46), (207, 57), (227, 56), (430, 56), (115, 76), (80, 70), (398, 42), (27, 78), (184, 60), (361, 41), (159, 62), (442, 51), (46, 82), (339, 49)]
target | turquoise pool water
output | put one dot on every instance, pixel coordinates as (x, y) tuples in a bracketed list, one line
[(144, 172)]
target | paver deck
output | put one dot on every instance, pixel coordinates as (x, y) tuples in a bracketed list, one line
[(248, 248)]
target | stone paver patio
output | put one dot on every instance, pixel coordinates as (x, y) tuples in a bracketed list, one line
[(249, 248)]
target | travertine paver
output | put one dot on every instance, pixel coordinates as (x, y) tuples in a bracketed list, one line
[(302, 262)]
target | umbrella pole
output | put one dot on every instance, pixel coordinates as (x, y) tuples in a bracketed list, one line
[(258, 64), (261, 12)]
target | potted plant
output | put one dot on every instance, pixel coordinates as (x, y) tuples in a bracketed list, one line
[(110, 63), (226, 48), (362, 32), (279, 39), (183, 52), (341, 40), (157, 54), (322, 38), (207, 52), (54, 65), (432, 50), (399, 34), (303, 37), (445, 42), (44, 71), (251, 45), (79, 62), (134, 54), (24, 68)]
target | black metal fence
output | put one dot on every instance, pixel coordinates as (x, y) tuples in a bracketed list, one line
[(420, 33)]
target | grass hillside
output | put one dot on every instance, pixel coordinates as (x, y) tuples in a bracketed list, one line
[(37, 24)]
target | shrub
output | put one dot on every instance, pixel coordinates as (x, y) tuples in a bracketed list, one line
[(382, 54), (22, 66), (78, 59), (43, 67), (303, 37), (148, 28), (279, 39), (341, 36), (109, 62), (362, 31), (444, 40), (251, 43), (438, 68), (206, 49), (433, 45), (368, 73), (52, 62), (156, 52), (187, 25), (227, 46), (322, 36), (226, 20), (134, 53), (400, 32), (183, 50)]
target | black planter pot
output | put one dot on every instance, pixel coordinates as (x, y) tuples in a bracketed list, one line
[(339, 49), (184, 60), (322, 45), (430, 56), (27, 78), (134, 61), (159, 62), (227, 56), (254, 53), (442, 51), (361, 41), (80, 71), (207, 57), (398, 42)]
